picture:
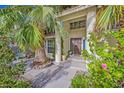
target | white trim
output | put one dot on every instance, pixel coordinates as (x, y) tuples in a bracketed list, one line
[(46, 48), (83, 16), (46, 45), (48, 37), (57, 47)]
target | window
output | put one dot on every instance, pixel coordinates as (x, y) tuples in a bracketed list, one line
[(78, 24), (51, 46), (82, 24)]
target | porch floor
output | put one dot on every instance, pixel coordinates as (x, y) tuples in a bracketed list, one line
[(56, 76)]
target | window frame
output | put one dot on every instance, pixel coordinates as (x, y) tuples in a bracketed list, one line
[(78, 24), (50, 46)]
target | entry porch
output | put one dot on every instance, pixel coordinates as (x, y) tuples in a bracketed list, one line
[(78, 29)]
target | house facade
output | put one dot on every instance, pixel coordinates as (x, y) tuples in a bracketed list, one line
[(78, 22)]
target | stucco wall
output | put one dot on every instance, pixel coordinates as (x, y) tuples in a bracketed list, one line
[(72, 33), (75, 33)]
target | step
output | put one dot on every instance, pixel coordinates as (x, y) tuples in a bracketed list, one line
[(75, 59)]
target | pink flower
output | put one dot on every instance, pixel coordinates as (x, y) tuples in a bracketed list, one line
[(104, 66)]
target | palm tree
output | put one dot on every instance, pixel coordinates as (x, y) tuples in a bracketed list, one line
[(108, 16), (29, 23)]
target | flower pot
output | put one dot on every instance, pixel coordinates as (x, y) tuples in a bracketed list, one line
[(63, 57)]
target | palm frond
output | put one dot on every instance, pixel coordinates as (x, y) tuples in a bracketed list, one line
[(109, 15), (28, 21), (29, 37)]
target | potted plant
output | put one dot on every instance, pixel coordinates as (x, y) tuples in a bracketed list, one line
[(63, 57)]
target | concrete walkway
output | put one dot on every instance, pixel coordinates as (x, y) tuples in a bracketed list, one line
[(56, 76), (62, 79)]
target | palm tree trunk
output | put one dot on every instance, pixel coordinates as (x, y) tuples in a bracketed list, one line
[(122, 22), (40, 55)]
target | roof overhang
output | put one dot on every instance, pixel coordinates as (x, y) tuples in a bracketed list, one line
[(73, 10)]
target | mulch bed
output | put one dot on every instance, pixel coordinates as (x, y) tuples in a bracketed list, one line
[(40, 65)]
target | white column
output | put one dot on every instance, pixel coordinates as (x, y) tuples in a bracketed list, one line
[(57, 47), (91, 20)]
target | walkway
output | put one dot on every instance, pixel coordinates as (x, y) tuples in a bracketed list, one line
[(56, 76)]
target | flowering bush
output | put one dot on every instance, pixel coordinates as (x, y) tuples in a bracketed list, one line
[(106, 68)]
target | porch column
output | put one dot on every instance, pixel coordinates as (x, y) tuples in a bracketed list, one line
[(57, 47), (90, 24)]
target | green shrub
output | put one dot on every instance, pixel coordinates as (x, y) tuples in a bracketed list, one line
[(106, 70), (80, 81), (9, 76)]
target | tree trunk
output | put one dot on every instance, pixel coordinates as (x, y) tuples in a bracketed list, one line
[(121, 23), (40, 55)]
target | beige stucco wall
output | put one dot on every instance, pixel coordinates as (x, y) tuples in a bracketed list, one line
[(74, 33)]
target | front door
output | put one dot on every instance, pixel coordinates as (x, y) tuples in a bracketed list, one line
[(75, 45)]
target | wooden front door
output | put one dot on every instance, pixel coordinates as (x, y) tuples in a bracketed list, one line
[(75, 45)]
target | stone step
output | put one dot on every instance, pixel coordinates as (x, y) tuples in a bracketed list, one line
[(75, 59)]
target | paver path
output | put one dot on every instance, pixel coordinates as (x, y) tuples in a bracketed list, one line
[(55, 76)]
